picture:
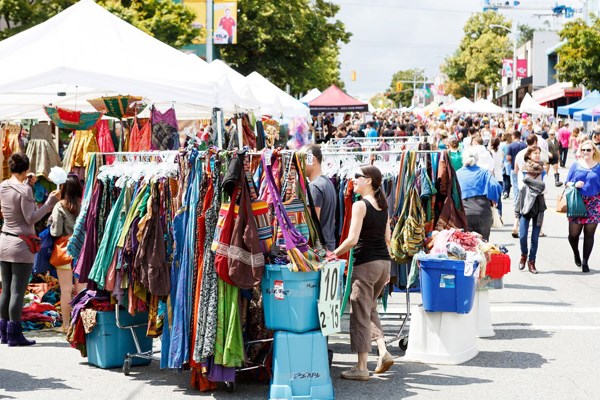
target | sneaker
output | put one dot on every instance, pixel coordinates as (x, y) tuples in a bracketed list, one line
[(505, 196), (384, 363), (356, 375)]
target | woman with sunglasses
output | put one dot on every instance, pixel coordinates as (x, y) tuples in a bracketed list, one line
[(584, 174), (370, 236)]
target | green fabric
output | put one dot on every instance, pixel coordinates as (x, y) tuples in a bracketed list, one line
[(455, 159), (229, 345), (106, 250), (348, 287), (133, 212)]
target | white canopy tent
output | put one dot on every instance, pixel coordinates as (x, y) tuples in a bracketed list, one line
[(461, 105), (275, 101), (86, 52), (530, 106), (484, 106), (233, 87), (310, 96)]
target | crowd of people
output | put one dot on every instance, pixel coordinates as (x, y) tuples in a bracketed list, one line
[(497, 158)]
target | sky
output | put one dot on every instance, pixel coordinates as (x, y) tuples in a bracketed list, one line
[(393, 35)]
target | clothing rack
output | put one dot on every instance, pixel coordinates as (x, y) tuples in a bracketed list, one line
[(375, 152), (160, 155)]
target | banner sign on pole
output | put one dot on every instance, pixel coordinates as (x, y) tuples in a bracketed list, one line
[(507, 68), (225, 22)]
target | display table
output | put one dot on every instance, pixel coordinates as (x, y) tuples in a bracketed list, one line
[(441, 337)]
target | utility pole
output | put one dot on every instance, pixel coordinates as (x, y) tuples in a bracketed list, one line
[(209, 30)]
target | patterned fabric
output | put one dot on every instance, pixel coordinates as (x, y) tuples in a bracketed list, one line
[(207, 311), (592, 205), (164, 130), (82, 143)]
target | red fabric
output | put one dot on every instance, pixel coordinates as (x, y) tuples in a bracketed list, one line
[(141, 139), (68, 115), (347, 215), (104, 138)]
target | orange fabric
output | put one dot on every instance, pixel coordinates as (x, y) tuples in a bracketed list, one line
[(140, 139)]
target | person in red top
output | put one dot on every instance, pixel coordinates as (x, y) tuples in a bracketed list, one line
[(563, 138), (228, 24)]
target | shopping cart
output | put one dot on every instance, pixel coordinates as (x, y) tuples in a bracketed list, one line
[(146, 355), (402, 335)]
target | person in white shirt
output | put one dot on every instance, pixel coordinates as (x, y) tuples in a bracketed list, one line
[(485, 159)]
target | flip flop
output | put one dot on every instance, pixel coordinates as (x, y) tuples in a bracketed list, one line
[(543, 235)]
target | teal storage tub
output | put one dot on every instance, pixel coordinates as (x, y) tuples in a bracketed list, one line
[(108, 345), (300, 367), (290, 299)]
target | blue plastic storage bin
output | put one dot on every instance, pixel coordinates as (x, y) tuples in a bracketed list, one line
[(300, 367), (108, 345), (290, 299), (444, 286)]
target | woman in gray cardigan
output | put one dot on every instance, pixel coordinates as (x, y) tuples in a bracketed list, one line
[(16, 258)]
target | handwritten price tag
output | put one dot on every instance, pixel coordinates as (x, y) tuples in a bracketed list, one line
[(329, 299)]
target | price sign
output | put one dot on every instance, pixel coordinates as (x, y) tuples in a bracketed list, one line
[(329, 299)]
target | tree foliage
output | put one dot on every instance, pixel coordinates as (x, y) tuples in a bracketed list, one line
[(405, 95), (478, 58), (579, 57), (169, 22), (293, 42), (525, 34)]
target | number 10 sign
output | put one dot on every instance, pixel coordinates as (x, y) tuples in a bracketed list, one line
[(329, 298)]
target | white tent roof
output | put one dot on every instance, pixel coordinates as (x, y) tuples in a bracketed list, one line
[(233, 87), (461, 105), (85, 52), (275, 101), (530, 106), (310, 96), (483, 106)]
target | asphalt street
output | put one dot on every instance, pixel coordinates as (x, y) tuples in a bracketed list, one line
[(545, 345)]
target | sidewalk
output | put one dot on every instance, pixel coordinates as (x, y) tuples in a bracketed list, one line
[(545, 345)]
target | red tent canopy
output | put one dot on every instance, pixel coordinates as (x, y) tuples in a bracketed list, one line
[(335, 99)]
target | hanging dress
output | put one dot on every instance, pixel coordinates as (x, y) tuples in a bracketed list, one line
[(165, 134)]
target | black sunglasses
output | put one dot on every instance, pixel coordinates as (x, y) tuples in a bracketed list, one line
[(357, 175), (587, 150)]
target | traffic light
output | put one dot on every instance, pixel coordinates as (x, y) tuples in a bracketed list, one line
[(398, 86), (353, 75)]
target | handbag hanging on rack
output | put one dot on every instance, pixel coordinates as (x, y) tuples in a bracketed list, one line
[(221, 247), (246, 261)]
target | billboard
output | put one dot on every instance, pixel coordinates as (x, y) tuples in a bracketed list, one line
[(507, 68), (225, 22)]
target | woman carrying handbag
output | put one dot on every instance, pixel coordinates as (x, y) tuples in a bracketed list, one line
[(584, 175), (62, 221)]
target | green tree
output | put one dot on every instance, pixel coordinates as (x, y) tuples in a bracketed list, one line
[(293, 42), (579, 57), (525, 34), (406, 78), (168, 22), (478, 58), (380, 100)]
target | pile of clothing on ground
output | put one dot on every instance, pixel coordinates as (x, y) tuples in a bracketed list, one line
[(42, 304)]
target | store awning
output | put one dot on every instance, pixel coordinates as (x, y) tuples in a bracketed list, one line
[(556, 91), (591, 100), (554, 48)]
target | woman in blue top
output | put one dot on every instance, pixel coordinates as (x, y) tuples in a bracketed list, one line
[(479, 190), (585, 176)]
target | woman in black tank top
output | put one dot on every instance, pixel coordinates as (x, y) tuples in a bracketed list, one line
[(370, 236)]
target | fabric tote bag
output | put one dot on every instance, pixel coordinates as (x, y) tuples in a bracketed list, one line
[(222, 246), (575, 205), (246, 261)]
